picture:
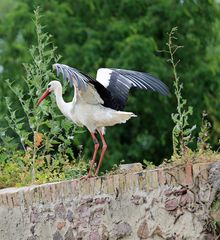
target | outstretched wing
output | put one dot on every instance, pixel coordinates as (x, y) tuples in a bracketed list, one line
[(111, 86), (86, 88), (120, 81), (74, 76)]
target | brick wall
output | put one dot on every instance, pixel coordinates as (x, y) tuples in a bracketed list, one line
[(163, 203)]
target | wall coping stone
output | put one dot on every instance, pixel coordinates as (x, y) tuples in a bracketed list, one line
[(145, 180)]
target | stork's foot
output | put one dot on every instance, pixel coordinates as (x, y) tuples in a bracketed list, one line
[(96, 174), (86, 177)]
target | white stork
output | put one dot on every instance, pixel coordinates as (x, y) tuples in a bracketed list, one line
[(99, 103)]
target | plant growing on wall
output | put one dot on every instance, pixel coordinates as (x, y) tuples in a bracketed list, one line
[(182, 132)]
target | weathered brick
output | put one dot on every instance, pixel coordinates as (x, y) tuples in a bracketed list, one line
[(4, 199), (167, 176), (36, 197), (53, 191), (28, 196), (153, 179), (141, 180), (75, 187), (201, 169), (85, 187), (189, 174), (134, 182), (10, 200), (67, 189), (122, 183), (146, 176), (46, 193), (61, 225), (14, 197), (161, 177), (116, 181), (181, 175), (204, 172), (61, 191), (128, 181), (143, 230), (110, 184), (97, 185), (1, 199), (172, 176), (104, 185), (92, 186)]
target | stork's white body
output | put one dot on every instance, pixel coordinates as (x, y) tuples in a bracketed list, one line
[(92, 116), (96, 116)]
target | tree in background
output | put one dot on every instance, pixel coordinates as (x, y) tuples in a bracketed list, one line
[(126, 34)]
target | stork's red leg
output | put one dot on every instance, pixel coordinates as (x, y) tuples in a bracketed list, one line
[(96, 147), (104, 147)]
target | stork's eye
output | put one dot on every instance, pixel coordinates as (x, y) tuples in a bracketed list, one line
[(49, 85)]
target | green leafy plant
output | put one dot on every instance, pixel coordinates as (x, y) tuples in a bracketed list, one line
[(204, 135), (148, 164), (181, 133), (46, 139)]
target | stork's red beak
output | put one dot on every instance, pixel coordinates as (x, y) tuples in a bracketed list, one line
[(45, 94)]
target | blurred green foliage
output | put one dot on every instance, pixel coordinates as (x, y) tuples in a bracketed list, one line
[(125, 34)]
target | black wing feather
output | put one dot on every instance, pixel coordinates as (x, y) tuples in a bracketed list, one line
[(121, 81), (144, 81)]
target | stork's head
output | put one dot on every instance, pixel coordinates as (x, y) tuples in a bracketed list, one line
[(52, 86)]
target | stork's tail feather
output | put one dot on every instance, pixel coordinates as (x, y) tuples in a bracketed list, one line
[(125, 116)]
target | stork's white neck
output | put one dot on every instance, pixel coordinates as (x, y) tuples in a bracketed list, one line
[(59, 98), (62, 105)]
